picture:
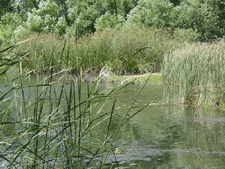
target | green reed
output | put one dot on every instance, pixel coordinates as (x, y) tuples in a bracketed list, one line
[(48, 122), (196, 73), (135, 50)]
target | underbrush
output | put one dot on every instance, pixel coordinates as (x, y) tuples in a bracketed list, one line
[(135, 50), (197, 73)]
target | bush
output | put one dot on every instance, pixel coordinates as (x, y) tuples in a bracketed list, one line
[(12, 19), (82, 18), (5, 31), (46, 18), (156, 13), (205, 17), (109, 21), (189, 35)]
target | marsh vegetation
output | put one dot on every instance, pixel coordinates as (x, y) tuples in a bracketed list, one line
[(49, 118)]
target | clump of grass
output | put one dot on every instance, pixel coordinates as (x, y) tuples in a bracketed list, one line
[(135, 50), (198, 72)]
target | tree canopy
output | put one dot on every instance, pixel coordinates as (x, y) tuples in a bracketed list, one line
[(78, 17)]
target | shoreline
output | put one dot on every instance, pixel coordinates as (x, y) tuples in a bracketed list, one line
[(149, 78)]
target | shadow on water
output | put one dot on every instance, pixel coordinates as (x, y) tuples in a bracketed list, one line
[(161, 136)]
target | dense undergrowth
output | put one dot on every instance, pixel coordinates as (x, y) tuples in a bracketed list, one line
[(125, 51)]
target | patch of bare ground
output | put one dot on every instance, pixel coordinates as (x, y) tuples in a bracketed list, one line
[(142, 75)]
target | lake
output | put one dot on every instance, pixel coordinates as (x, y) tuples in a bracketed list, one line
[(159, 136)]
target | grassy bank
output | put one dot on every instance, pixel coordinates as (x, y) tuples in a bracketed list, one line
[(146, 78), (197, 73), (135, 50)]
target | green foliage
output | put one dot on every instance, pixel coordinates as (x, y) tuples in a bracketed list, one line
[(5, 31), (22, 32), (46, 18), (87, 16), (156, 13), (202, 16), (109, 21), (176, 2), (61, 26), (12, 19), (78, 17), (123, 51), (5, 6), (11, 24), (82, 18), (118, 7), (198, 73), (189, 35)]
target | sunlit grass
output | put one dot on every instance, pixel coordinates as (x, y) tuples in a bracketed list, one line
[(125, 51), (197, 72)]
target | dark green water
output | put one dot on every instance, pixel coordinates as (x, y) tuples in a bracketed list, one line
[(160, 136)]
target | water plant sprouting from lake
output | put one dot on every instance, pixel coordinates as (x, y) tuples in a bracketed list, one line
[(197, 71), (50, 124)]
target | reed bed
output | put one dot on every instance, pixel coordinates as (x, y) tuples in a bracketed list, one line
[(45, 124), (133, 51), (196, 73)]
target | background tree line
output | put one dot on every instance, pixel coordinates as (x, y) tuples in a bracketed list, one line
[(204, 19)]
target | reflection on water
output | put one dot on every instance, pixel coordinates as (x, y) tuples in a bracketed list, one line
[(175, 136), (172, 137), (160, 136)]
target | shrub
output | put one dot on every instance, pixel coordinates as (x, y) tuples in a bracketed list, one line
[(5, 31), (203, 16), (82, 18), (109, 21), (189, 35), (46, 18), (156, 13)]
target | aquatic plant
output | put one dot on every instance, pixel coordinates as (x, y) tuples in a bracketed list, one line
[(196, 73), (134, 50)]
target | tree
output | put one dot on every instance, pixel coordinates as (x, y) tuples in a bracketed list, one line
[(46, 18), (175, 2), (89, 15), (5, 6), (109, 21), (82, 16), (204, 16), (156, 13)]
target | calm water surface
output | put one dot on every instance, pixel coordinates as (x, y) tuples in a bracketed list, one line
[(175, 136), (162, 136)]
